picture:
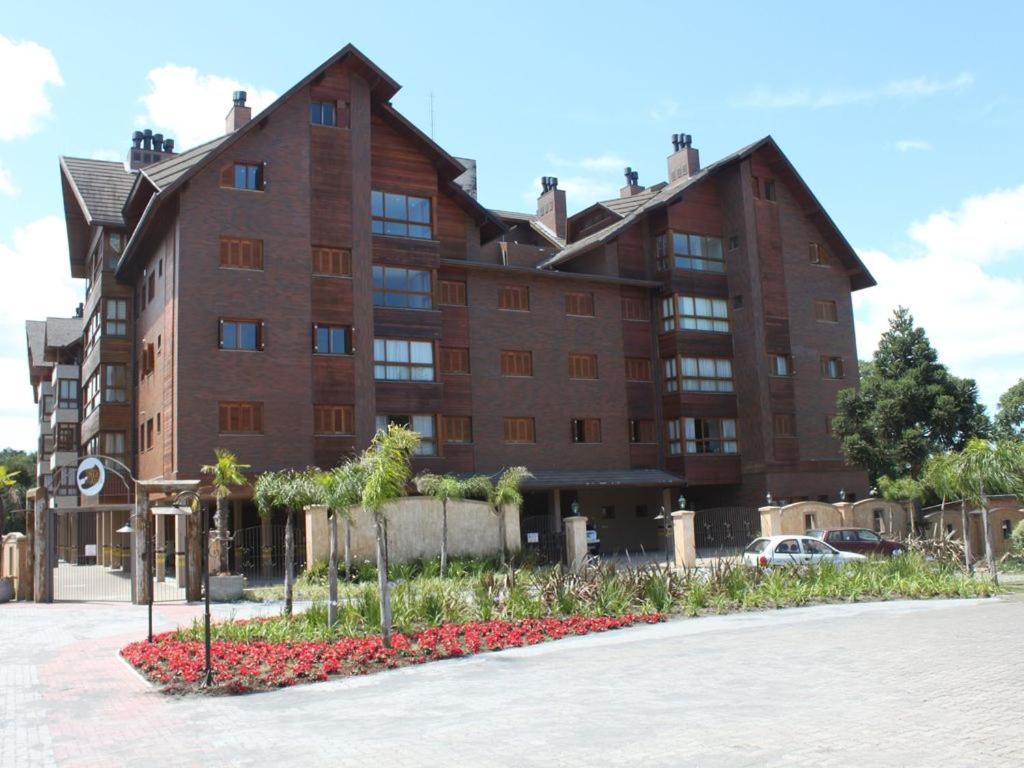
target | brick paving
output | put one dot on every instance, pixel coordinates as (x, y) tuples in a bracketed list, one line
[(887, 684)]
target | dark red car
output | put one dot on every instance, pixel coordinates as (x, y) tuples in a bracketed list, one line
[(860, 540)]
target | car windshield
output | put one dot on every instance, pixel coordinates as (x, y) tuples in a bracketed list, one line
[(815, 547), (866, 535), (756, 546), (815, 533)]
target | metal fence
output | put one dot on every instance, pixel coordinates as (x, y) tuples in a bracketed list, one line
[(725, 530), (262, 562), (540, 541)]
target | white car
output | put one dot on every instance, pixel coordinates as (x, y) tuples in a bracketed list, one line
[(789, 549)]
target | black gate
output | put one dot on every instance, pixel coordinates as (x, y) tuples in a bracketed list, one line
[(262, 562), (540, 541), (725, 530)]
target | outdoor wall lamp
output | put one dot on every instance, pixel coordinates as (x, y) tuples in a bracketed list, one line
[(682, 501), (575, 506), (842, 494), (768, 499)]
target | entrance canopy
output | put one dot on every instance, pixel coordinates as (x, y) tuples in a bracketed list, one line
[(601, 478)]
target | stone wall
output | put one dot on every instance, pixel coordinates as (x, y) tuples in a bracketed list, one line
[(1001, 518), (14, 564)]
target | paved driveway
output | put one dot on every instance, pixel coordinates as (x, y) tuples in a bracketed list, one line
[(911, 684)]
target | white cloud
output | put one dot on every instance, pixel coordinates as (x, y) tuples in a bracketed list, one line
[(26, 68), (973, 317), (36, 281), (605, 162), (7, 182), (190, 107), (917, 87), (913, 145)]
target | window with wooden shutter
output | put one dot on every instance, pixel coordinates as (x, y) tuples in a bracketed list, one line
[(454, 360), (784, 425), (452, 293), (333, 262), (832, 368), (458, 429), (516, 362), (240, 417), (825, 311), (636, 309), (585, 430), (818, 254), (638, 369), (249, 176), (514, 297), (579, 304), (519, 429), (641, 430), (582, 365), (333, 420), (241, 253)]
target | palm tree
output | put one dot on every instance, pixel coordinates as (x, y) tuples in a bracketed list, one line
[(225, 472), (445, 488), (8, 484), (506, 491), (386, 463), (939, 476), (343, 490)]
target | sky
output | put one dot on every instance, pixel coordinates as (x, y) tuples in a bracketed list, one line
[(903, 118)]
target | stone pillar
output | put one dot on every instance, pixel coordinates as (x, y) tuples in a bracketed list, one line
[(180, 574), (160, 551), (556, 510), (575, 541), (318, 545), (771, 520), (42, 577), (194, 554), (510, 519), (266, 547), (141, 550), (685, 539), (845, 513)]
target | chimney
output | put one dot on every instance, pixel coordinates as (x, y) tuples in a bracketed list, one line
[(632, 184), (239, 114), (551, 206), (148, 148), (684, 160)]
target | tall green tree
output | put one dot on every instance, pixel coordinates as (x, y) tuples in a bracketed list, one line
[(507, 491), (939, 477), (343, 490), (445, 488), (8, 495), (21, 465), (386, 464), (225, 472), (908, 405), (1009, 421)]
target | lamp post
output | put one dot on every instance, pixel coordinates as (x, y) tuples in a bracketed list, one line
[(665, 523)]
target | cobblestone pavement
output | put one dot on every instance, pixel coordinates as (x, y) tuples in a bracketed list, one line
[(885, 684)]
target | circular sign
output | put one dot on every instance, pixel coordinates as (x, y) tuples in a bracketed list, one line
[(91, 476)]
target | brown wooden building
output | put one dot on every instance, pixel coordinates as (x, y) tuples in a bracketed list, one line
[(323, 267)]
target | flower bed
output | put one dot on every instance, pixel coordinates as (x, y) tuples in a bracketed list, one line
[(240, 667)]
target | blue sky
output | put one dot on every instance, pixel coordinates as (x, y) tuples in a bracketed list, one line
[(903, 118)]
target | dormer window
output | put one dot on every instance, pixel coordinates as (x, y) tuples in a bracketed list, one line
[(400, 215), (323, 113)]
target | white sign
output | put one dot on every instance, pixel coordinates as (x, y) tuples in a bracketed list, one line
[(532, 538), (90, 476), (90, 550)]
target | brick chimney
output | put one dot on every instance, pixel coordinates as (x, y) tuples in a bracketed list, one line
[(239, 114), (684, 160), (551, 206), (148, 148), (632, 185)]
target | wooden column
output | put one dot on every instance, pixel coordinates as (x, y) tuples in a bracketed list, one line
[(42, 577), (160, 551), (30, 526), (194, 554), (142, 550), (180, 572)]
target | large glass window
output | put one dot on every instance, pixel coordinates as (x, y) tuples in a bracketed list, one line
[(115, 386), (241, 334), (400, 287), (710, 435), (683, 250), (248, 176), (423, 424), (694, 313), (115, 312), (67, 393), (401, 215), (403, 360), (706, 374)]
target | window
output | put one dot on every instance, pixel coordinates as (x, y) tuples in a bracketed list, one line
[(514, 297), (832, 368), (830, 428), (694, 313), (519, 429), (147, 360), (682, 250), (670, 369), (333, 420), (635, 309), (241, 253), (67, 437), (452, 292), (784, 426), (115, 314), (149, 435), (780, 365), (160, 268), (818, 254), (332, 339), (641, 430), (579, 304), (246, 176), (115, 383), (585, 430), (458, 429), (241, 417), (335, 262), (1007, 530), (323, 113), (734, 242), (400, 287), (91, 394), (454, 360), (674, 435), (47, 406), (878, 520), (516, 362), (756, 186), (737, 301), (638, 369), (241, 335), (67, 393), (400, 215), (710, 435), (582, 365), (810, 523), (93, 331), (769, 189), (110, 444), (401, 360), (825, 311), (422, 424), (706, 374), (152, 286)]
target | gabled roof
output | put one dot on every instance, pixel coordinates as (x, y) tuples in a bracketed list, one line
[(101, 188), (624, 206), (35, 340), (167, 172), (63, 331)]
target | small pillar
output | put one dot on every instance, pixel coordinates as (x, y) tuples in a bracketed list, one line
[(845, 509), (771, 521), (685, 539), (161, 547), (194, 554), (140, 551), (318, 545), (556, 510), (42, 578), (575, 542), (510, 519), (180, 524)]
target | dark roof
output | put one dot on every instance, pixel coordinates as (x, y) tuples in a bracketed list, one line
[(62, 331), (513, 215), (101, 187), (35, 338), (166, 172), (626, 205), (543, 479)]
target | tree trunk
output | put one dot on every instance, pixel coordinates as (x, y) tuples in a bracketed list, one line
[(222, 536), (382, 580), (348, 549), (332, 575), (966, 534), (289, 564), (501, 531), (990, 557), (444, 537)]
